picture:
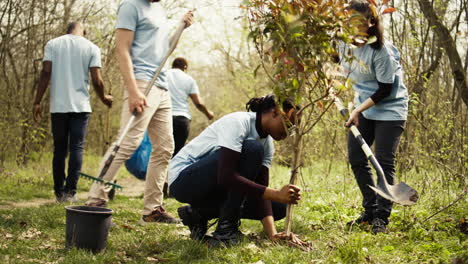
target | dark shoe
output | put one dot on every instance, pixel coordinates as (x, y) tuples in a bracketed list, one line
[(379, 226), (195, 222), (366, 217), (227, 231), (96, 203), (160, 216), (60, 197)]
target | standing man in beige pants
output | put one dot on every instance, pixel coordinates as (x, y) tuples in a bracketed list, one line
[(142, 40)]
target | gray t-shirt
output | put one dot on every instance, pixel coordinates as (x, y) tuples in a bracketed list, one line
[(71, 58), (230, 132), (371, 66), (151, 37)]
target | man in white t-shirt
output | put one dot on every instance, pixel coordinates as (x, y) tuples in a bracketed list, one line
[(67, 62), (142, 40), (182, 86)]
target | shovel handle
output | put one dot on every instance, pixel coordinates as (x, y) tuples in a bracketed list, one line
[(365, 148)]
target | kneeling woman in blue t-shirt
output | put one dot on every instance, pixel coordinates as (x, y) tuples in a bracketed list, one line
[(381, 110), (223, 173)]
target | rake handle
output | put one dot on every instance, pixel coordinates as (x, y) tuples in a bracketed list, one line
[(111, 157)]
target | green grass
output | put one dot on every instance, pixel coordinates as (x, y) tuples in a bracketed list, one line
[(36, 235)]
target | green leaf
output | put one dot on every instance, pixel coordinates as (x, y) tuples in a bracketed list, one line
[(388, 248), (295, 83)]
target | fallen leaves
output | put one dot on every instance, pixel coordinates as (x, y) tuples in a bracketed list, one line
[(155, 259), (30, 234)]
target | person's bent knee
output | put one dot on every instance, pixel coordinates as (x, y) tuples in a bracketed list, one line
[(253, 150)]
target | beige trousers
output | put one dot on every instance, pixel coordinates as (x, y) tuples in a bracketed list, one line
[(157, 119)]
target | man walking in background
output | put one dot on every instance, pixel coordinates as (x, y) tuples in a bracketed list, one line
[(182, 86), (66, 64), (142, 41)]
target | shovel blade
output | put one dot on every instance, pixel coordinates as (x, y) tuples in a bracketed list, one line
[(401, 193)]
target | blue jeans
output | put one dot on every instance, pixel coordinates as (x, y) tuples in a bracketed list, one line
[(69, 131), (385, 135), (198, 185)]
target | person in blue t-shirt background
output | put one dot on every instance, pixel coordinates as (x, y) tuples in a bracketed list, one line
[(182, 86), (67, 62), (381, 100)]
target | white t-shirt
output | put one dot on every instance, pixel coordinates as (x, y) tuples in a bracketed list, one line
[(230, 132), (181, 86), (71, 58)]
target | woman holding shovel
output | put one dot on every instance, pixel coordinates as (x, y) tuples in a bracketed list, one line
[(381, 109), (224, 172)]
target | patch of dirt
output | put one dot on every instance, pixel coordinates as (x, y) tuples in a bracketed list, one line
[(26, 204), (132, 187)]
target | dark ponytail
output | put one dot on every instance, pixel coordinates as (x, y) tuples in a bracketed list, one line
[(370, 13), (266, 103)]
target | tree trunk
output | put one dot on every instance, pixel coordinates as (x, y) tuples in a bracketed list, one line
[(294, 173), (450, 48)]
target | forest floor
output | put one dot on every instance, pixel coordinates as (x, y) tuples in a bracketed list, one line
[(32, 224)]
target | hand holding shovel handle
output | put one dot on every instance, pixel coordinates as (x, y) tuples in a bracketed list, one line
[(400, 193)]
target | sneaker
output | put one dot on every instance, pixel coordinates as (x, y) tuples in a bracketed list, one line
[(379, 226), (160, 216), (70, 198), (196, 223), (366, 217), (96, 203)]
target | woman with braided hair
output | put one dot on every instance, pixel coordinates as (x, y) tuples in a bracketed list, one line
[(224, 173)]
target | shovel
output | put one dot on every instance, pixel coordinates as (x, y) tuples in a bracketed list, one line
[(400, 193), (135, 113)]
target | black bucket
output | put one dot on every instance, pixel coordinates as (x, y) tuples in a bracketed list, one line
[(87, 227)]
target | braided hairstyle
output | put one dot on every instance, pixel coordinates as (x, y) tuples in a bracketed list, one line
[(266, 103)]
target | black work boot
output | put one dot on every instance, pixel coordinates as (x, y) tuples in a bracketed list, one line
[(366, 217), (379, 225), (227, 231), (192, 218)]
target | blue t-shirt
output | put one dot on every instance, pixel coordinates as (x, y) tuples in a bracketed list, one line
[(370, 66), (181, 86), (230, 132), (151, 37), (71, 58)]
